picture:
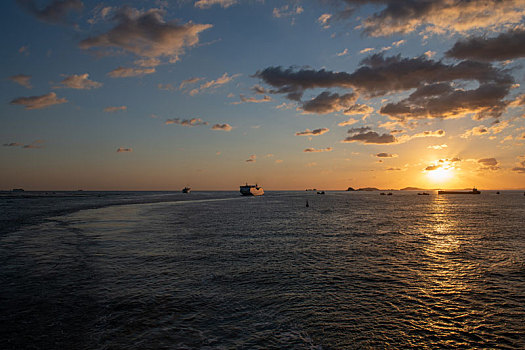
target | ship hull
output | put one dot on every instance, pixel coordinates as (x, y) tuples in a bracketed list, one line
[(457, 192), (251, 191)]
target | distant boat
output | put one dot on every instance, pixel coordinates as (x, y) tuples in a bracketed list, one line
[(474, 191), (320, 192), (186, 190), (251, 190), (382, 193), (17, 190), (311, 189), (423, 194), (389, 194)]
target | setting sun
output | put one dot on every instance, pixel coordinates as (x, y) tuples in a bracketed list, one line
[(440, 175)]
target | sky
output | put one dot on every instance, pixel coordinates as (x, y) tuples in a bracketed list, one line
[(211, 94)]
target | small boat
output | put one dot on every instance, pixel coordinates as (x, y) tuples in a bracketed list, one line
[(186, 190), (17, 190), (320, 192), (382, 194), (474, 191), (251, 190), (423, 194), (389, 194)]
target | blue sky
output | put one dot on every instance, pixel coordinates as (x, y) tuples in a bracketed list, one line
[(164, 94)]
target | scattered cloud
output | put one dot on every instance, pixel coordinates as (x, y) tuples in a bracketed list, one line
[(22, 79), (147, 62), (147, 34), (252, 159), (358, 109), (212, 84), (369, 137), (123, 150), (385, 155), (350, 121), (186, 122), (37, 102), (393, 169), (324, 20), (505, 46), (488, 164), (245, 99), (12, 144), (80, 82), (287, 11), (314, 132), (56, 12), (519, 169), (206, 4), (327, 102), (436, 93), (34, 145), (366, 50), (122, 72), (437, 16), (314, 150), (189, 81), (438, 147), (100, 13), (479, 130), (342, 53), (224, 127), (115, 109)]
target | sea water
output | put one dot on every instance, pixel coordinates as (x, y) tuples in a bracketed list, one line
[(215, 270)]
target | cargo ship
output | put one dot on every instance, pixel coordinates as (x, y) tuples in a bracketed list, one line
[(474, 191), (251, 190)]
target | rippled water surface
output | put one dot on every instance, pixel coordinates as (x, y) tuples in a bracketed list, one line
[(221, 271)]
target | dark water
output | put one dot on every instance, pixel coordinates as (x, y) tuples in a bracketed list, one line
[(220, 271)]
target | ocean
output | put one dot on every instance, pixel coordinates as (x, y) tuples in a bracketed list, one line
[(215, 270)]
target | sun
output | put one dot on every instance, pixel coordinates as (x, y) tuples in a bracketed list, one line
[(440, 175)]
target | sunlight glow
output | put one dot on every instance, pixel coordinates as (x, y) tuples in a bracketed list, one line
[(440, 175)]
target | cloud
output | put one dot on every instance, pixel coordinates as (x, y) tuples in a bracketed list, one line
[(37, 102), (505, 46), (393, 169), (147, 62), (366, 50), (123, 149), (147, 34), (189, 82), (287, 11), (437, 16), (212, 84), (488, 164), (100, 13), (245, 99), (22, 79), (343, 53), (324, 20), (432, 167), (186, 122), (224, 127), (437, 93), (327, 102), (115, 109), (358, 109), (496, 128), (122, 72), (437, 133), (56, 12), (386, 155), (438, 147), (252, 159), (314, 150), (348, 122), (314, 132), (369, 137), (12, 144), (206, 4), (519, 170), (80, 82), (258, 89)]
